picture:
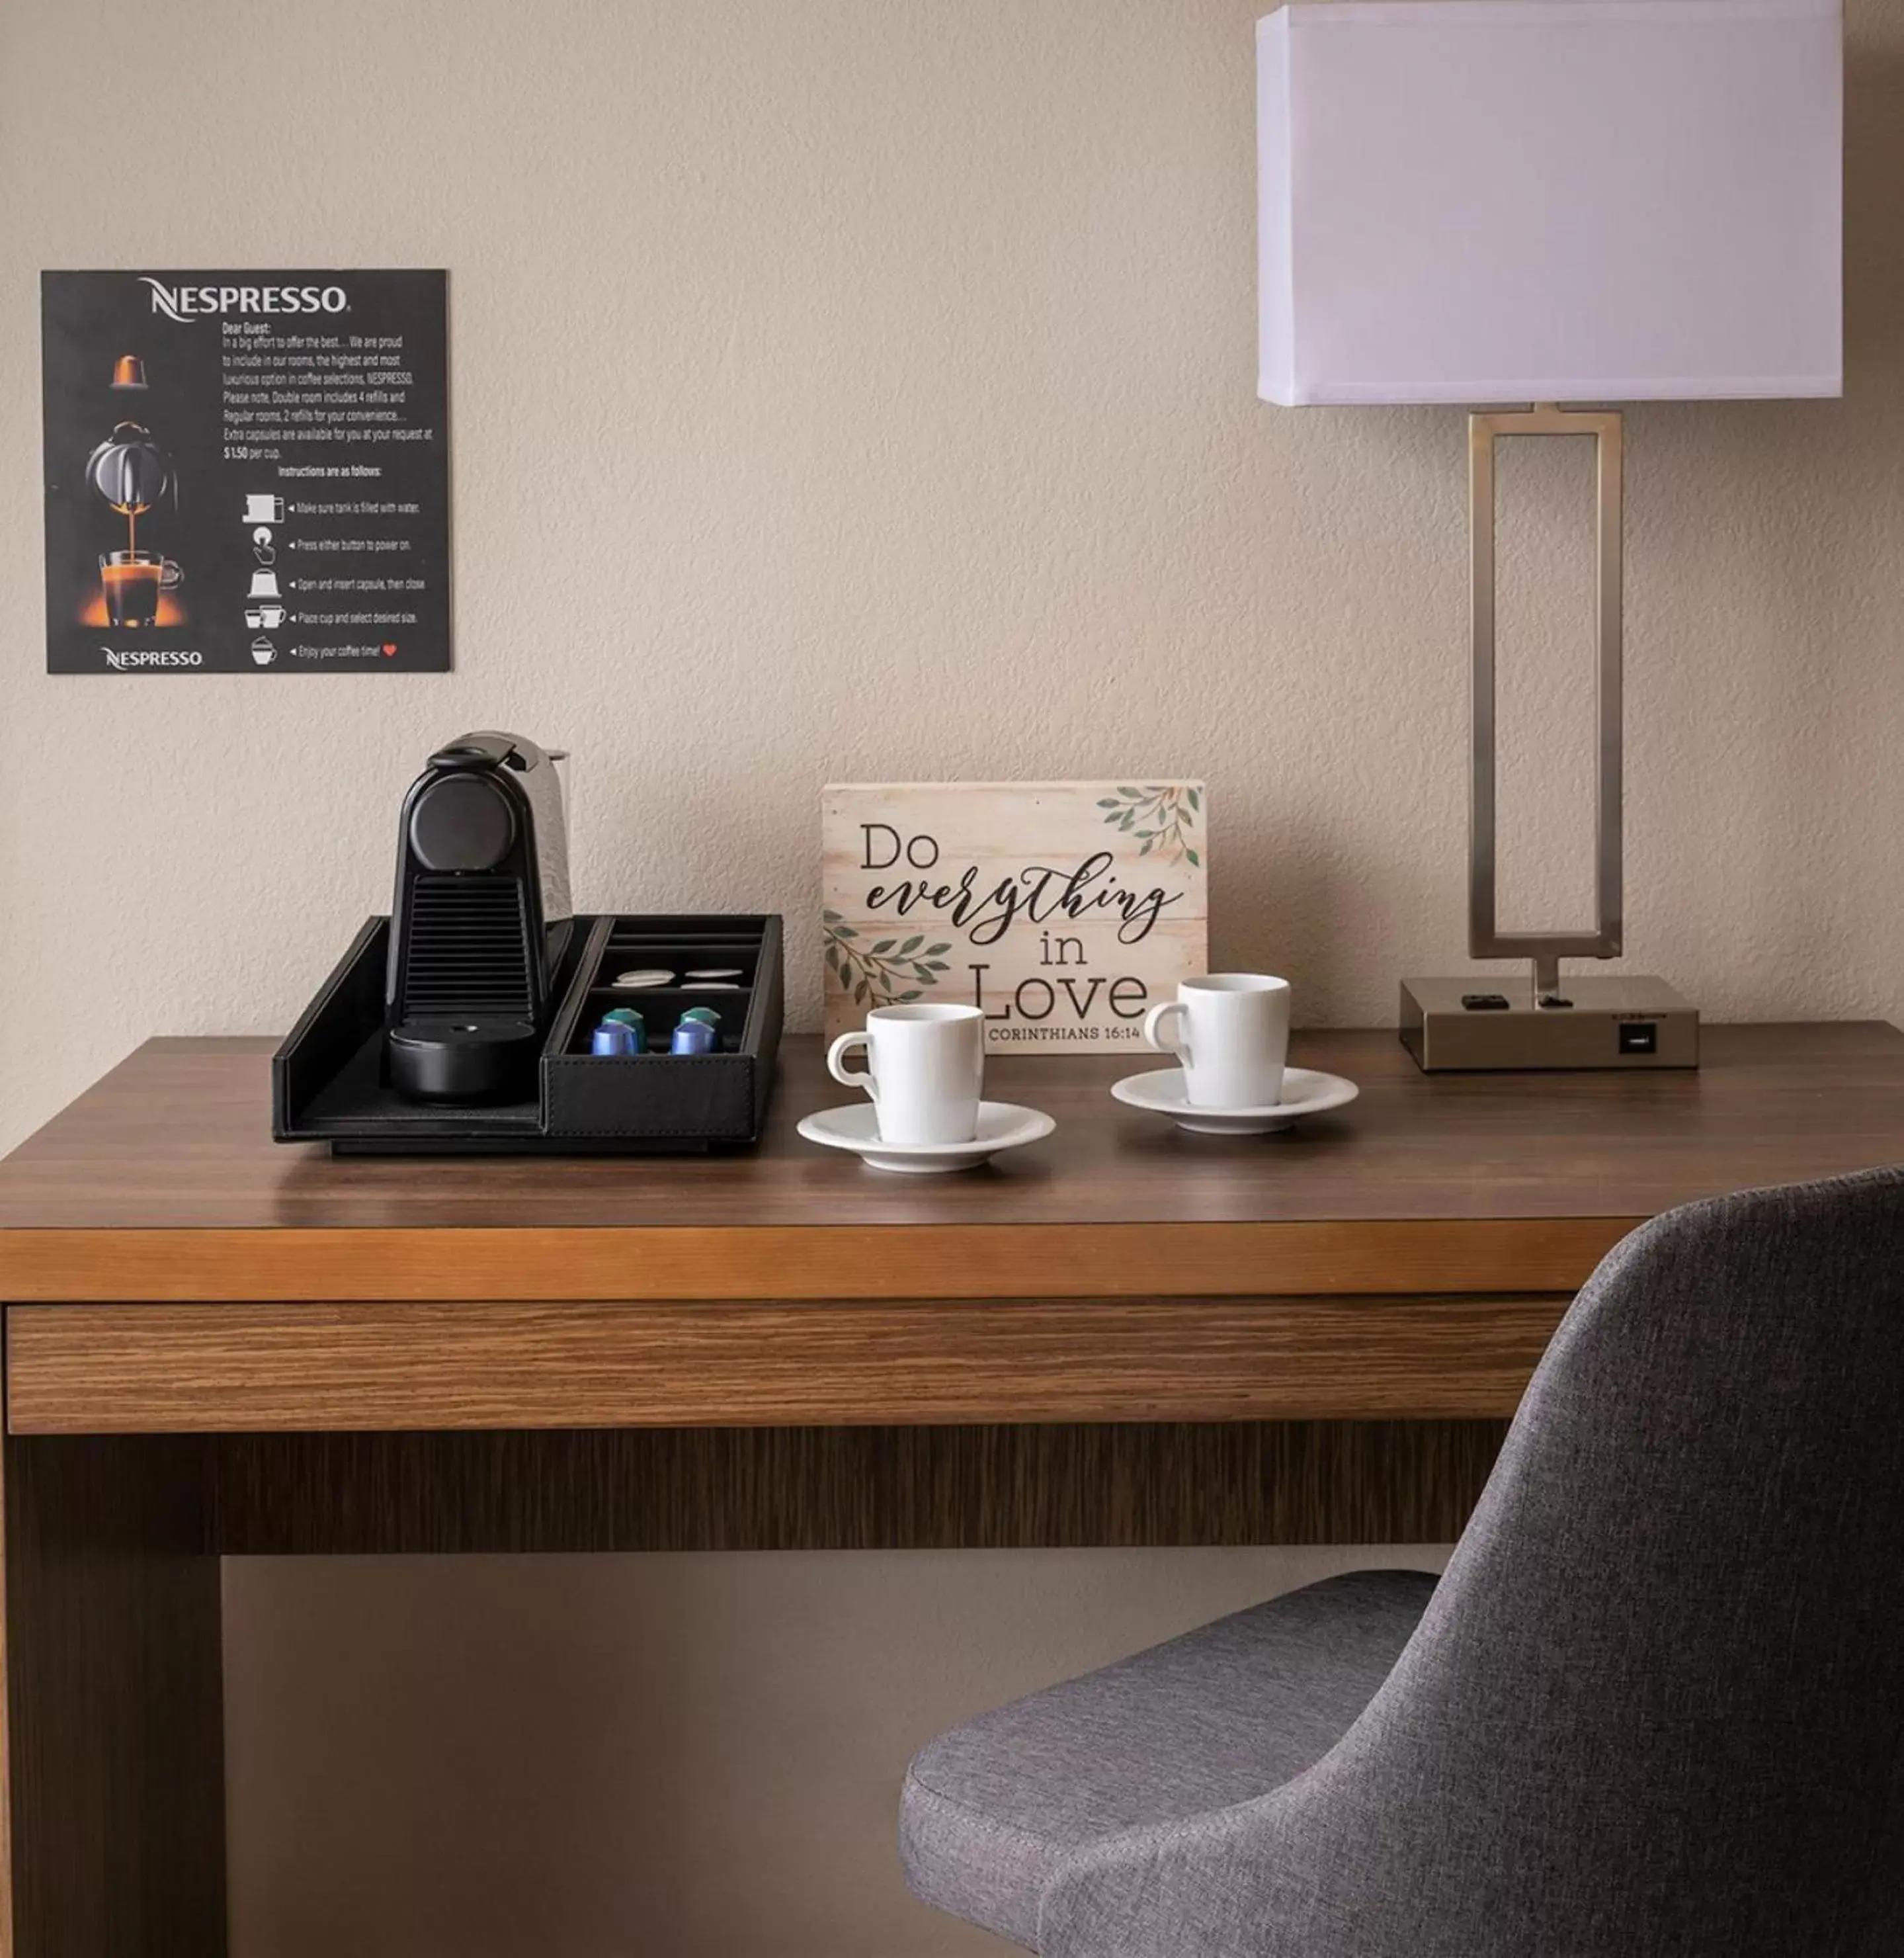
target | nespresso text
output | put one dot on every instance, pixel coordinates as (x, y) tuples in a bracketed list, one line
[(185, 302)]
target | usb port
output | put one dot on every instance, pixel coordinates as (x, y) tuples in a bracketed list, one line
[(1639, 1037)]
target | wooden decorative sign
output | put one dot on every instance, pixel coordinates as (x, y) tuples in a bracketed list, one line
[(1065, 909)]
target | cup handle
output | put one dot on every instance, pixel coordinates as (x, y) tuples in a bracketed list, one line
[(850, 1077), (169, 575), (1153, 1022)]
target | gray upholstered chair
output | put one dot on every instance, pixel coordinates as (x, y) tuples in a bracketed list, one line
[(1656, 1705)]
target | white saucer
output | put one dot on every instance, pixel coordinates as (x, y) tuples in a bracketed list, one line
[(1304, 1092), (1001, 1127)]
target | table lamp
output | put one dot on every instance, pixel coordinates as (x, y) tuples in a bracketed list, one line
[(1543, 202)]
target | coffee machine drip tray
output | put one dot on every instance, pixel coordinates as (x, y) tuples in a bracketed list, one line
[(331, 1081)]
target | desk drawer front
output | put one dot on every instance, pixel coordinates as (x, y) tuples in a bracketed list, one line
[(117, 1369)]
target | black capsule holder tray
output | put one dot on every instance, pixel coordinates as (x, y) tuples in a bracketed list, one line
[(329, 1083)]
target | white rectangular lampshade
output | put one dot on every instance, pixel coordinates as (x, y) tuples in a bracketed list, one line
[(1571, 200)]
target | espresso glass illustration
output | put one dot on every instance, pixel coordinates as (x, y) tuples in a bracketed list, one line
[(132, 581)]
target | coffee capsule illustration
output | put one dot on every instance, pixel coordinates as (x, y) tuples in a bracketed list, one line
[(128, 373)]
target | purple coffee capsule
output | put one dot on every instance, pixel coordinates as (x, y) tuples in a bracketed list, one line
[(615, 1037), (695, 1037)]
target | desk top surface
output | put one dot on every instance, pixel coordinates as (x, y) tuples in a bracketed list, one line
[(163, 1181), (179, 1134)]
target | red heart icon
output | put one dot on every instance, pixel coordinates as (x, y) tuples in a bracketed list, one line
[(390, 652)]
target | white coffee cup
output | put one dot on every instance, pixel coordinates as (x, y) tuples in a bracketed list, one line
[(1231, 1032), (924, 1067)]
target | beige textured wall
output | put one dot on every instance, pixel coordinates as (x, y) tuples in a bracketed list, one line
[(668, 1757), (864, 389)]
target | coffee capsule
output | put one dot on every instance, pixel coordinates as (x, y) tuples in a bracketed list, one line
[(706, 1013), (694, 1036), (613, 1036)]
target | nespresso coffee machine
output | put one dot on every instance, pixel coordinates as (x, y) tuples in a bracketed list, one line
[(463, 1023), (480, 922)]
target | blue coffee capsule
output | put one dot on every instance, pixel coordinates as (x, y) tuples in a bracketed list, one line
[(695, 1037), (615, 1037), (627, 1016)]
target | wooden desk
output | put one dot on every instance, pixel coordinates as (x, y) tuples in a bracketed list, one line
[(1124, 1335)]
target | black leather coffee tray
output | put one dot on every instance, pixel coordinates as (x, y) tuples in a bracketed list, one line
[(329, 1083)]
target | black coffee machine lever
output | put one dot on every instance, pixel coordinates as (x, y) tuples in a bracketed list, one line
[(493, 751), (479, 922), (476, 751)]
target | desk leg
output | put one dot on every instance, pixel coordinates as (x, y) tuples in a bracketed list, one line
[(114, 1700)]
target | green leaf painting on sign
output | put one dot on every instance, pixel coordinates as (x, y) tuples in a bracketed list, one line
[(1170, 814), (882, 976)]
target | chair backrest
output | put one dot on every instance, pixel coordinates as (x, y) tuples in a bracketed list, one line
[(1657, 1704)]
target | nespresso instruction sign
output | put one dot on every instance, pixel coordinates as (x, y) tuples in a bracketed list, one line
[(246, 472)]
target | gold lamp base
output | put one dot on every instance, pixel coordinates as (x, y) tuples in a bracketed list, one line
[(1456, 1024)]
